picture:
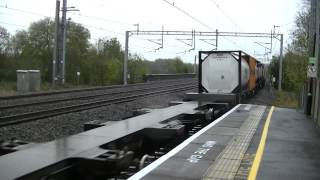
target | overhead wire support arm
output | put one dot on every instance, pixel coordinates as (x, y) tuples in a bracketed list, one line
[(192, 44), (158, 42), (212, 42), (191, 40), (184, 41), (206, 33), (263, 44), (207, 37)]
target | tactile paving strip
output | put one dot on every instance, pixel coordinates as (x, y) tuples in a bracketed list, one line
[(229, 160)]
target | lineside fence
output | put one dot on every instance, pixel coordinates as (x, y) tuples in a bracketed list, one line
[(309, 100)]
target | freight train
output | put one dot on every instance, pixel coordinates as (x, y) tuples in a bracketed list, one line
[(233, 73), (120, 149)]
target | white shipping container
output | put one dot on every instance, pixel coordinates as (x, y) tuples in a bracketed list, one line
[(220, 73)]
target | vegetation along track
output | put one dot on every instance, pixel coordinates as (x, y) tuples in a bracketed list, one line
[(30, 116)]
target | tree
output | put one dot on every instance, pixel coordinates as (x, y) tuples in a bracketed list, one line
[(180, 67), (113, 71), (109, 51), (110, 48), (294, 71), (41, 41), (295, 58), (137, 67), (99, 64), (33, 48), (299, 36), (77, 48), (4, 41), (20, 44), (7, 64), (103, 63), (169, 66)]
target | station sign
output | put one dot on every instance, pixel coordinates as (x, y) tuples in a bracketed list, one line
[(312, 68)]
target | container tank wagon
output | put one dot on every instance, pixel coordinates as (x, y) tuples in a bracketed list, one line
[(120, 149), (231, 76)]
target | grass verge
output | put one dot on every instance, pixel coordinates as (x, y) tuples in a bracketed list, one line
[(286, 99), (7, 88)]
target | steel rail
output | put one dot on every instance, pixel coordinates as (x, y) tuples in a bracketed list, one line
[(56, 92), (26, 117), (87, 96)]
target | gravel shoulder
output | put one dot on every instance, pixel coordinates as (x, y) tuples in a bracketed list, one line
[(265, 96)]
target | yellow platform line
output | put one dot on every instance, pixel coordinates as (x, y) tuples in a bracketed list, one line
[(257, 160)]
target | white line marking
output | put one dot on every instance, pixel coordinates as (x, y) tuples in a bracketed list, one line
[(174, 151)]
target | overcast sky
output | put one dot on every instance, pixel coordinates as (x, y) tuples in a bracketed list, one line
[(111, 18)]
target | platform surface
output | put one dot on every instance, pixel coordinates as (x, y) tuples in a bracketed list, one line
[(219, 147), (227, 149), (292, 149)]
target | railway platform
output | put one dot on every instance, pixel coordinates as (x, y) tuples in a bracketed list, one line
[(248, 142)]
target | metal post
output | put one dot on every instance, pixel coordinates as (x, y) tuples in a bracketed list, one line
[(64, 33), (315, 94), (217, 39), (194, 39), (240, 75), (126, 54), (312, 29), (200, 90), (195, 65), (280, 64), (317, 36), (55, 49), (162, 37), (271, 37)]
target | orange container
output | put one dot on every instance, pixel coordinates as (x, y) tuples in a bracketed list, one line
[(253, 70)]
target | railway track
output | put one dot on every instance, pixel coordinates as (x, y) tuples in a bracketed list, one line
[(89, 96), (8, 102), (30, 116), (80, 90)]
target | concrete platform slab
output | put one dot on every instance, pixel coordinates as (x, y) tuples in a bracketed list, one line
[(292, 149), (193, 160)]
